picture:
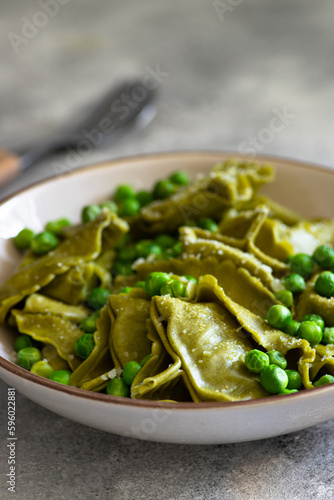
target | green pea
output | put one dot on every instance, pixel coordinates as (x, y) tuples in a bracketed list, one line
[(126, 289), (90, 212), (84, 346), (163, 189), (128, 207), (164, 241), (23, 239), (117, 387), (302, 264), (295, 380), (176, 249), (279, 316), (311, 332), (178, 288), (42, 368), (144, 248), (97, 298), (61, 376), (285, 296), (166, 289), (140, 284), (324, 256), (174, 288), (292, 328), (144, 198), (145, 359), (273, 379), (57, 226), (181, 178), (127, 253), (23, 341), (277, 358), (44, 242), (324, 380), (315, 318), (294, 282), (88, 325), (190, 278), (324, 284), (256, 360), (154, 282), (124, 192), (130, 371), (208, 224), (109, 205), (328, 337), (27, 356), (123, 267)]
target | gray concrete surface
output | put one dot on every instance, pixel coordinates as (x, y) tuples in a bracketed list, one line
[(226, 69)]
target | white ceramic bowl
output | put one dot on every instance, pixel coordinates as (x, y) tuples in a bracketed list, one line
[(305, 188)]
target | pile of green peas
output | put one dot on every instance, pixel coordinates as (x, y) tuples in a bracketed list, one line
[(120, 386), (159, 283), (206, 223), (275, 378), (311, 328), (302, 266), (29, 356), (128, 202), (163, 247), (44, 242)]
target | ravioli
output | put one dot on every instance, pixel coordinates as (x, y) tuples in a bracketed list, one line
[(188, 346), (208, 338), (84, 245), (228, 185)]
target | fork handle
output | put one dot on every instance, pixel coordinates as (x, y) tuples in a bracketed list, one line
[(10, 166)]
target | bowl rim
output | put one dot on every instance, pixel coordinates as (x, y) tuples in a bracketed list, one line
[(146, 403), (16, 370)]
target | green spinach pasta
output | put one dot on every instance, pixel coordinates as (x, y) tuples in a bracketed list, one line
[(199, 290)]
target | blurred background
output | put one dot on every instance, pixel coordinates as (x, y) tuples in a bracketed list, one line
[(250, 76)]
